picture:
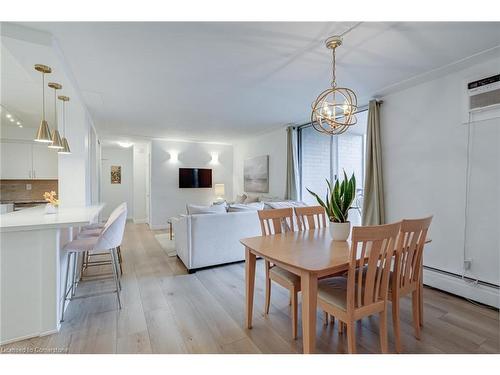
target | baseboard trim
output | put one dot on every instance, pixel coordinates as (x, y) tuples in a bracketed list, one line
[(41, 334), (454, 284), (141, 221), (158, 226)]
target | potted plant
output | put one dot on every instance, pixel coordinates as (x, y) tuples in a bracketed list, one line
[(52, 202), (337, 203)]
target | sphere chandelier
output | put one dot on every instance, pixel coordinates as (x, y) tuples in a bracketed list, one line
[(334, 110)]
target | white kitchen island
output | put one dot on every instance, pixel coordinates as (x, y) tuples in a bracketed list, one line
[(30, 268)]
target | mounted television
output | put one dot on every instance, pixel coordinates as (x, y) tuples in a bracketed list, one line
[(195, 178)]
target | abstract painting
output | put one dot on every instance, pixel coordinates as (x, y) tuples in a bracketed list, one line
[(256, 174), (116, 174)]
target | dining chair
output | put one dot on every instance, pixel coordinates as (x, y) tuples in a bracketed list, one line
[(274, 222), (108, 240), (362, 294), (405, 278), (313, 217), (310, 217)]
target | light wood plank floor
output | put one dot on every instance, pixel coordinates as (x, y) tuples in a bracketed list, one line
[(165, 310)]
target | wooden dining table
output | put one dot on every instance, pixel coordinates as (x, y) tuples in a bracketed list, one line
[(310, 254)]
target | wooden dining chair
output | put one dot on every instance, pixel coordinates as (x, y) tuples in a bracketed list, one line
[(361, 294), (405, 278), (310, 217), (274, 222)]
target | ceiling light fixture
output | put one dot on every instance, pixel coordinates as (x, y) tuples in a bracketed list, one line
[(43, 133), (333, 111), (65, 149), (56, 138), (8, 115)]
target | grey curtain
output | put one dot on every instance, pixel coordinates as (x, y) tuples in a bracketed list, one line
[(292, 164), (373, 200)]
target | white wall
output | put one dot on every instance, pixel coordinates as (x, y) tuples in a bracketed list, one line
[(141, 181), (424, 143), (273, 144), (167, 157), (114, 194)]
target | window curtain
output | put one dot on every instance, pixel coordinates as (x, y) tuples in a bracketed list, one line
[(373, 195), (292, 164)]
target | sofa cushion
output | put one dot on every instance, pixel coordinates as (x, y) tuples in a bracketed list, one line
[(256, 206), (251, 199), (193, 209)]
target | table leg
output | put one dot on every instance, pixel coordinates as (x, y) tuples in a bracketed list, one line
[(309, 287), (250, 283)]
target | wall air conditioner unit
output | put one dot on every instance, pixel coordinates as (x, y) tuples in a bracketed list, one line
[(483, 98)]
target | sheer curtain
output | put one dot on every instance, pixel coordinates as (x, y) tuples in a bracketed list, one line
[(373, 203), (292, 165)]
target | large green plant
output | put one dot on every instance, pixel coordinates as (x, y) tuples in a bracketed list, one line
[(338, 198)]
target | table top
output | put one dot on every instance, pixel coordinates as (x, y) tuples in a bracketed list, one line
[(310, 250), (35, 218)]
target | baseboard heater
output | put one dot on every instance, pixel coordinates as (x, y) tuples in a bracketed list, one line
[(468, 279), (467, 287)]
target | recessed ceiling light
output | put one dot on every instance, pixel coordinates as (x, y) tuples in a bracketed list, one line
[(11, 120), (18, 123), (8, 115), (20, 126)]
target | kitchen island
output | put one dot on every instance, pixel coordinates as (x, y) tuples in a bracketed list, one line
[(30, 268)]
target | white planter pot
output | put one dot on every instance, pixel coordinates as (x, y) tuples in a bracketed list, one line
[(340, 231), (50, 209)]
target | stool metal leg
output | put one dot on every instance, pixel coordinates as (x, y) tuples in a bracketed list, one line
[(119, 250), (115, 275), (115, 265), (75, 278), (65, 285)]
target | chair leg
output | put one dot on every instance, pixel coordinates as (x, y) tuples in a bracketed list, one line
[(325, 318), (340, 327), (119, 251), (65, 286), (396, 323), (115, 265), (268, 288), (351, 337), (383, 330), (82, 266), (75, 263), (332, 319), (295, 303), (416, 313), (115, 276)]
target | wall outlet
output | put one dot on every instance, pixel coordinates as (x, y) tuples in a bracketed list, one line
[(28, 186), (467, 264)]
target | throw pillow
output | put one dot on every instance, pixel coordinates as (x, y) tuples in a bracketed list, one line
[(250, 199), (246, 207), (240, 198)]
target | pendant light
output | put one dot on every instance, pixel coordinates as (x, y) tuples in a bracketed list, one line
[(333, 111), (56, 138), (65, 149), (43, 132)]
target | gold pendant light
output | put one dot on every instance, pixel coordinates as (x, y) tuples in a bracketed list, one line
[(65, 149), (43, 132), (56, 138), (333, 111)]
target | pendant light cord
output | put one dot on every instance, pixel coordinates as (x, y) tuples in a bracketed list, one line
[(64, 120), (55, 108), (43, 96)]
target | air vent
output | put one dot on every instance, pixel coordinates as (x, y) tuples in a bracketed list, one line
[(484, 93)]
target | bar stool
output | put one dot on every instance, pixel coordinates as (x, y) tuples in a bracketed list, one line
[(94, 230), (109, 239)]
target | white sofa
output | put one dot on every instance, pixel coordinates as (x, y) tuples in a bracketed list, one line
[(205, 240)]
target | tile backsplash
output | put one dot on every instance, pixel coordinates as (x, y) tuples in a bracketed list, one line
[(17, 190)]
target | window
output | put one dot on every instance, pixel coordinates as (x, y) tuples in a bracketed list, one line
[(323, 157)]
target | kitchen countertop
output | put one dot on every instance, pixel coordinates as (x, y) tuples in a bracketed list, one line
[(35, 218)]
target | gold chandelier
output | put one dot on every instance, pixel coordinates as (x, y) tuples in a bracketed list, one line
[(334, 110), (43, 132)]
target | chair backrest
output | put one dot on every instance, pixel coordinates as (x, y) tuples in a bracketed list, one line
[(310, 217), (372, 249), (115, 213), (276, 221), (112, 234), (408, 260)]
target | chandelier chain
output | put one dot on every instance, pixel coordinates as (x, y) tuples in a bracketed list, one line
[(333, 69)]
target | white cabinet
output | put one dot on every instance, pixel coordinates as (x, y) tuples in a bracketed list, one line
[(16, 160), (44, 162), (24, 160)]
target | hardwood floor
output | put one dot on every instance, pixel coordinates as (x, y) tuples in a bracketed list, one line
[(165, 310)]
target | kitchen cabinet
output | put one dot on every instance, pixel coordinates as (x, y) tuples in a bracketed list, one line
[(24, 161), (44, 162)]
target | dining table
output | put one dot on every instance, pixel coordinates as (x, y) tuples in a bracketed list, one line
[(310, 254)]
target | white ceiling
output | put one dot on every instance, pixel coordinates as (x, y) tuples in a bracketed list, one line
[(221, 81)]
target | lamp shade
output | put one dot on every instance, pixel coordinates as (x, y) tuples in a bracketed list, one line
[(65, 149), (219, 190), (56, 140), (43, 133)]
